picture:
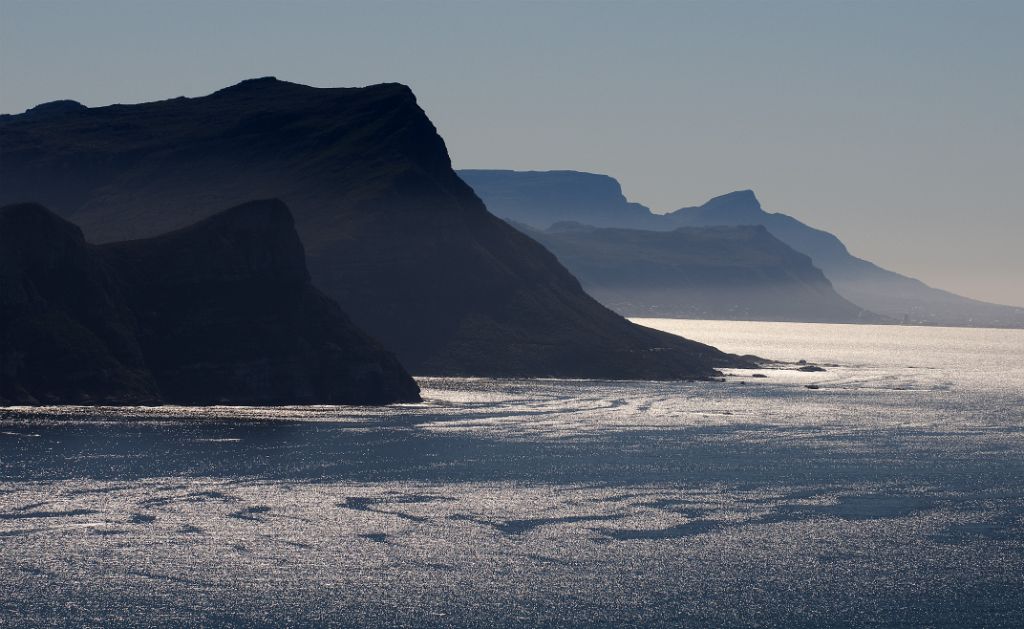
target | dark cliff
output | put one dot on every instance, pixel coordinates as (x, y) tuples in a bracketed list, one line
[(391, 232), (219, 312), (66, 332)]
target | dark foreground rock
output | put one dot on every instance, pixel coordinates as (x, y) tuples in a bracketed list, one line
[(391, 232), (219, 312), (811, 368), (66, 332)]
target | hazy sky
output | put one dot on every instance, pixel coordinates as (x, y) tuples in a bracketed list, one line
[(897, 125)]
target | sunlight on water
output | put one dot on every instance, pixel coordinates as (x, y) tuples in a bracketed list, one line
[(889, 495), (974, 349)]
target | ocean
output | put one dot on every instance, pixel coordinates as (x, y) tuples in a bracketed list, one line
[(890, 495)]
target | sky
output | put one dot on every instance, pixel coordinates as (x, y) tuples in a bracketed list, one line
[(896, 125)]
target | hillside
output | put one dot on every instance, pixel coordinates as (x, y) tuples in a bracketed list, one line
[(885, 292), (739, 273), (221, 312), (390, 231)]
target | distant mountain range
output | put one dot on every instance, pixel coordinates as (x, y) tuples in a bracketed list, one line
[(221, 312), (391, 232), (541, 199), (741, 273)]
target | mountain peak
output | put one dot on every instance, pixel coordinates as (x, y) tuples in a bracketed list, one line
[(254, 85), (56, 107), (26, 219), (274, 84), (259, 79), (261, 212), (740, 200), (256, 238)]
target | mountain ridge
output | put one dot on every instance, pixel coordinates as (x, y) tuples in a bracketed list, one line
[(871, 287), (889, 293), (739, 273), (390, 231)]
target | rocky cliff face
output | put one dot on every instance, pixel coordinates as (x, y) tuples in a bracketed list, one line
[(219, 312), (739, 273), (66, 333), (390, 230)]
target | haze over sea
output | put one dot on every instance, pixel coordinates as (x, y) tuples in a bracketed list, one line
[(890, 495)]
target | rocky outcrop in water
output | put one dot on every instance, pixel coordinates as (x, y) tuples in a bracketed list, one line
[(221, 312)]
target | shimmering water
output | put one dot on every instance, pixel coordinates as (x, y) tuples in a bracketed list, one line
[(891, 495)]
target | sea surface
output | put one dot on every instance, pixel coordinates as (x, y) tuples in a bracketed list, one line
[(891, 495)]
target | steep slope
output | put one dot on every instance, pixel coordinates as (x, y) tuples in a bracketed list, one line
[(698, 272), (390, 231), (613, 265), (219, 312), (864, 283), (541, 199), (66, 333)]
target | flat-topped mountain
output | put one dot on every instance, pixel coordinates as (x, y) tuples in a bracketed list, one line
[(544, 198), (219, 312), (514, 195), (391, 232), (741, 273)]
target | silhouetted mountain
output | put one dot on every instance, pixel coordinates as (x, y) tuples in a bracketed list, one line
[(541, 199), (219, 312), (860, 281), (698, 272), (390, 230), (714, 274), (66, 333)]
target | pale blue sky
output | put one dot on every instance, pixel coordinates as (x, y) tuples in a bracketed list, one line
[(897, 125)]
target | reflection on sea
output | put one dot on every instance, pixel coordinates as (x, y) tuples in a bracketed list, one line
[(890, 495)]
